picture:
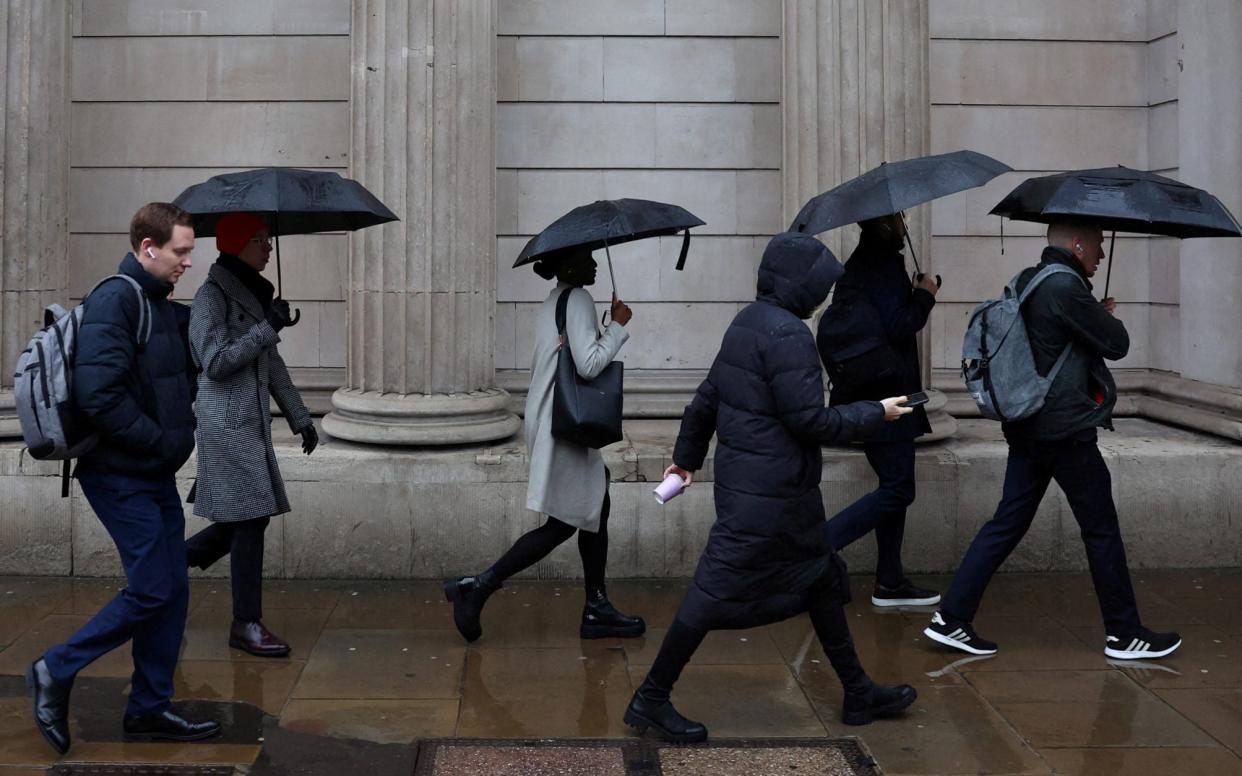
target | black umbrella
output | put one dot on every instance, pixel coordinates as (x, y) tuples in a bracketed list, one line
[(1120, 199), (608, 222), (293, 202), (896, 186)]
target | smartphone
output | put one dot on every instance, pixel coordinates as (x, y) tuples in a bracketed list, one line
[(915, 399)]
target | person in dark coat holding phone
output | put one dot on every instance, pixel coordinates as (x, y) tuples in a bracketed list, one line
[(875, 280), (768, 556)]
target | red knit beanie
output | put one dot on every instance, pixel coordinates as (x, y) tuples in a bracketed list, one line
[(234, 230)]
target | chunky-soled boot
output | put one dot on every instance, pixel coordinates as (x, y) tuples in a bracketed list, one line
[(601, 620), (864, 699), (651, 708), (468, 594), (881, 701)]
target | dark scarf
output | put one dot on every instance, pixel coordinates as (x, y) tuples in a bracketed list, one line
[(250, 278)]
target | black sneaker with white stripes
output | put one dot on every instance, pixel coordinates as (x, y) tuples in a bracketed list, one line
[(1143, 644), (957, 634), (905, 594)]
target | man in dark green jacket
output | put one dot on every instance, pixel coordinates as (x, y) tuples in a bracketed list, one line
[(1059, 443)]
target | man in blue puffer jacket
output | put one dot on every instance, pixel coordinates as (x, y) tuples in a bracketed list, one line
[(769, 555), (138, 399)]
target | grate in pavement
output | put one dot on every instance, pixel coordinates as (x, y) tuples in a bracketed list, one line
[(121, 769), (640, 757)]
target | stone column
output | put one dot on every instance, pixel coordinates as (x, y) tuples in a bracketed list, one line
[(855, 79), (422, 292), (34, 177), (1210, 151)]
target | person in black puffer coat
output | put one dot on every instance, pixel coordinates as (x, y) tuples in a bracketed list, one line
[(769, 555), (137, 397)]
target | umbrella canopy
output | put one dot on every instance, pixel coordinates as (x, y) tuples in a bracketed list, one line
[(294, 201), (894, 187), (1123, 200), (608, 222)]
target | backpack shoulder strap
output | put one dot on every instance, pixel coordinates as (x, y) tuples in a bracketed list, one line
[(144, 305), (1042, 275)]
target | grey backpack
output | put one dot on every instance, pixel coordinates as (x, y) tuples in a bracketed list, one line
[(997, 362), (43, 384)]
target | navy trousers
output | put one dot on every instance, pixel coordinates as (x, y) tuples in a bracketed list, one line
[(883, 510), (1080, 470), (145, 520)]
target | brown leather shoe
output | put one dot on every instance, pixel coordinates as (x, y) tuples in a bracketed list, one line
[(254, 638)]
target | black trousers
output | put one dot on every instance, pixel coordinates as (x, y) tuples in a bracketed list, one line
[(883, 510), (1080, 470), (243, 542), (534, 546)]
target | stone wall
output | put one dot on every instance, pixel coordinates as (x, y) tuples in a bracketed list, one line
[(673, 100), (167, 93), (1045, 88)]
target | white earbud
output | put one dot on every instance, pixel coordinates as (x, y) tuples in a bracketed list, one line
[(150, 253)]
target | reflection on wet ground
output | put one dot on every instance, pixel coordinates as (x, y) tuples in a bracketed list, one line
[(377, 666)]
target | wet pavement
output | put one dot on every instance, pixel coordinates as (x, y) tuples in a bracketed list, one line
[(376, 666)]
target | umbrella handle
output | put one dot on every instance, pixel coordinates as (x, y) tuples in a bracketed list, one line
[(910, 243), (1108, 276), (297, 316), (611, 275)]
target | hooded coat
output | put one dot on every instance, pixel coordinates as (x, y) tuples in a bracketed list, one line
[(763, 399)]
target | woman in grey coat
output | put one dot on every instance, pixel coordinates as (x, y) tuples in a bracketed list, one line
[(234, 325), (568, 482)]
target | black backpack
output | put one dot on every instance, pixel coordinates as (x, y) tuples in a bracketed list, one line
[(852, 343)]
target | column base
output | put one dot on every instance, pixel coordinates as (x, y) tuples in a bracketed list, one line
[(943, 424), (419, 419), (10, 428)]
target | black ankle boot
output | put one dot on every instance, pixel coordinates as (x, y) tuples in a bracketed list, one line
[(651, 708), (468, 594), (601, 620), (878, 701)]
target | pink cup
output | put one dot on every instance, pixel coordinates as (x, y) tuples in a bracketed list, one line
[(672, 485)]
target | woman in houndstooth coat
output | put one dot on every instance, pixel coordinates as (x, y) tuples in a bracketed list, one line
[(234, 327)]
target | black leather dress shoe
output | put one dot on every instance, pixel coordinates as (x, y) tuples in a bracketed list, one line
[(167, 725), (51, 705)]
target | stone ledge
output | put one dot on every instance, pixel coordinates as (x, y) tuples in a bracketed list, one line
[(395, 512), (1145, 393)]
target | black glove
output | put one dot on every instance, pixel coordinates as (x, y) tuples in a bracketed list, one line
[(310, 439), (278, 316)]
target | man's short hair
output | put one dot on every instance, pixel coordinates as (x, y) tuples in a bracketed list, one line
[(1060, 231), (156, 221)]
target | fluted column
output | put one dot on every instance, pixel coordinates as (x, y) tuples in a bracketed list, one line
[(34, 177), (422, 292), (855, 78)]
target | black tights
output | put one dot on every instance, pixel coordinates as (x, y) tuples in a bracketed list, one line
[(534, 546), (831, 626)]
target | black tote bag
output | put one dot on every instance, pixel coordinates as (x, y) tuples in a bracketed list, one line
[(585, 412)]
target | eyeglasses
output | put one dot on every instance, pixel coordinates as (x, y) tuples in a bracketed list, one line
[(261, 240)]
